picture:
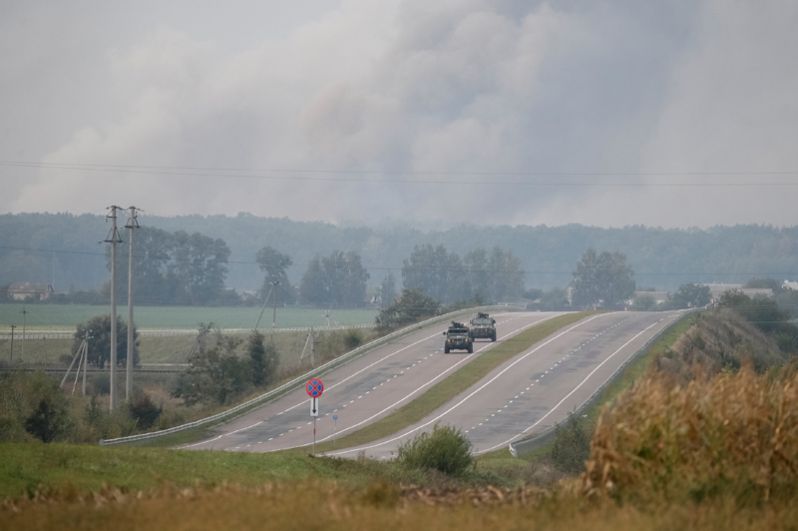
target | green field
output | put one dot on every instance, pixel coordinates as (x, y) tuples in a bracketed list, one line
[(67, 316)]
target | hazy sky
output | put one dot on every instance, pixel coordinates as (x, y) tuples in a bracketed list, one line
[(426, 112)]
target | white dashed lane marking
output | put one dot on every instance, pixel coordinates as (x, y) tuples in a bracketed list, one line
[(540, 377)]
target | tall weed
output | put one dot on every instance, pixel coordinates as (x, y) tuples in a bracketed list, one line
[(732, 435)]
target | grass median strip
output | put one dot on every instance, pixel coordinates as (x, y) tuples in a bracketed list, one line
[(459, 381)]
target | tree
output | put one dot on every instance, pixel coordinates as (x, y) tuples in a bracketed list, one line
[(314, 288), (98, 331), (151, 256), (275, 264), (602, 280), (335, 280), (263, 359), (411, 307), (387, 294), (432, 270), (215, 374), (198, 268), (506, 275), (476, 267), (690, 296)]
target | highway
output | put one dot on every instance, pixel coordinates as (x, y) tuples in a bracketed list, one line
[(360, 391), (539, 387)]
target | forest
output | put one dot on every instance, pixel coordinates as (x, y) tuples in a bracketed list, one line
[(66, 250)]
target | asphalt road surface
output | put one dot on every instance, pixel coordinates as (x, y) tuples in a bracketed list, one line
[(359, 392), (538, 388)]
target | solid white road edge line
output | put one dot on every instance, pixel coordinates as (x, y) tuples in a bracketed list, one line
[(393, 405), (480, 388), (580, 384), (220, 436)]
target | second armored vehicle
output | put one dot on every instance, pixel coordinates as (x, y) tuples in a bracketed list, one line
[(483, 326)]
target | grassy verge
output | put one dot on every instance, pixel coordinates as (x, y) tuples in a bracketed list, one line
[(455, 384), (80, 487), (633, 370), (28, 466)]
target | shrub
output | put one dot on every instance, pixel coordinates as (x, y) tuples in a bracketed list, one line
[(263, 359), (50, 419), (31, 404), (446, 449), (143, 411), (352, 339), (571, 446)]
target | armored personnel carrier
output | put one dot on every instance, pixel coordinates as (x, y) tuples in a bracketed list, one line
[(458, 338), (483, 326)]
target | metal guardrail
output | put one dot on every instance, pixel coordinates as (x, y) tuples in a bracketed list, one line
[(295, 382), (526, 445)]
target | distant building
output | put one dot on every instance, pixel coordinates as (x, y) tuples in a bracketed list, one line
[(717, 290), (790, 284), (28, 291)]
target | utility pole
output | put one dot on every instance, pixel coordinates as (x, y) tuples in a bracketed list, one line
[(113, 238), (12, 341), (132, 223), (85, 360), (275, 283), (24, 316)]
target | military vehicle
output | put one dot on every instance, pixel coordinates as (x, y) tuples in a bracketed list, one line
[(483, 326), (458, 338)]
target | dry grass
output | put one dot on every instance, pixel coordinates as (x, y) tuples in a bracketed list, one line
[(734, 435), (316, 505)]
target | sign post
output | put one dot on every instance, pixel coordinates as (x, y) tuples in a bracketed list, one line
[(314, 388)]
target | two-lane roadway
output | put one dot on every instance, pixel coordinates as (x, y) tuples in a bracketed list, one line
[(540, 387), (360, 391)]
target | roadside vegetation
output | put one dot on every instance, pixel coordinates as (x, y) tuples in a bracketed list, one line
[(695, 442), (222, 369)]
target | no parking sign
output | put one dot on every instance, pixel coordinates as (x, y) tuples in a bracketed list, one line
[(314, 387)]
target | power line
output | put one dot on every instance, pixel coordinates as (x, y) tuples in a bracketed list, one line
[(396, 268), (402, 176)]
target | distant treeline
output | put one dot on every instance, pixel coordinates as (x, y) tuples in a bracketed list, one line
[(64, 250)]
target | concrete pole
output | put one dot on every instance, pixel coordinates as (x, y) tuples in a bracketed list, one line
[(132, 223), (113, 321), (113, 239), (129, 359)]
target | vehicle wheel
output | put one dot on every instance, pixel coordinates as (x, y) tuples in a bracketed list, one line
[(446, 350), (493, 337), (471, 349)]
